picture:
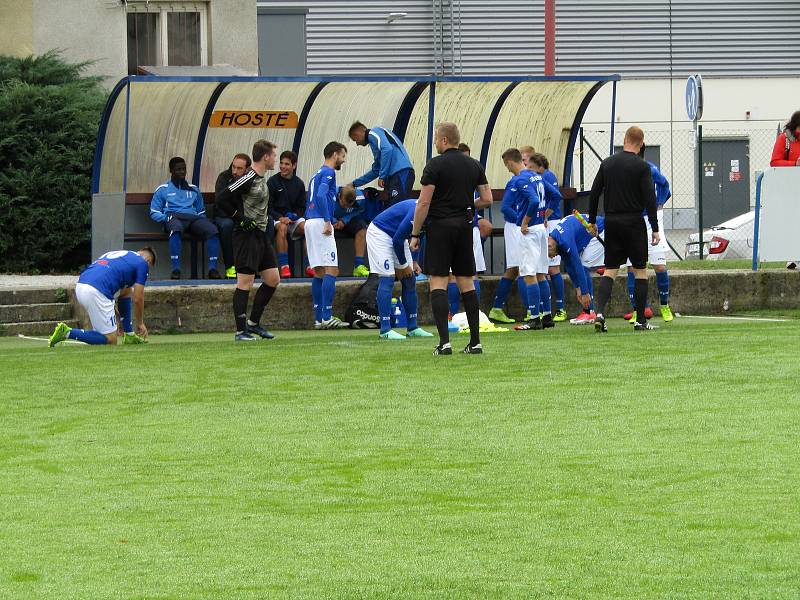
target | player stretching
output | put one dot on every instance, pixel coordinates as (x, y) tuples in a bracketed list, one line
[(657, 255), (390, 256), (580, 251), (533, 195), (119, 272), (322, 255)]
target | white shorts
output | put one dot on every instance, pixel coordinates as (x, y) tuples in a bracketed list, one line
[(511, 237), (380, 250), (477, 250), (533, 251), (556, 260), (100, 309), (321, 248), (594, 254), (656, 255)]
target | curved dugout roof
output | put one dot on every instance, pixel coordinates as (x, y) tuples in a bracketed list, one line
[(199, 118)]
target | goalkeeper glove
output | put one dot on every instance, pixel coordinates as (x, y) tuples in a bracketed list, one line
[(247, 224)]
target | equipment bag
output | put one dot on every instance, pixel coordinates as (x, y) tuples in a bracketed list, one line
[(363, 310)]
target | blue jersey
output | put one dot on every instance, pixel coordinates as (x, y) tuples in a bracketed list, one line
[(183, 198), (389, 154), (321, 194), (571, 239), (357, 211), (555, 206), (115, 271), (509, 207), (663, 194), (533, 194), (397, 222)]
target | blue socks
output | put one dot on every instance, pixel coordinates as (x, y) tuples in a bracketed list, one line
[(453, 297), (591, 287), (358, 261), (631, 283), (478, 289), (316, 297), (534, 298), (283, 259), (87, 336), (409, 285), (557, 283), (385, 285), (125, 305), (175, 244), (213, 251), (328, 290), (544, 297), (522, 287), (662, 282), (503, 289)]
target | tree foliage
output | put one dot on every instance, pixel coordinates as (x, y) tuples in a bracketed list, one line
[(49, 115)]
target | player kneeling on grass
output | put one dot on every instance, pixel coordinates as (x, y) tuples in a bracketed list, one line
[(121, 273), (390, 256), (322, 254)]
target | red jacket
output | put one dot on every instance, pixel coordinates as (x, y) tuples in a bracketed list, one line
[(779, 152)]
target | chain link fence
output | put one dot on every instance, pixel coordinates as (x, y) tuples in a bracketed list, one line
[(732, 157)]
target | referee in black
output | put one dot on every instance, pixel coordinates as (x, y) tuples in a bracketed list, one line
[(446, 206), (626, 184)]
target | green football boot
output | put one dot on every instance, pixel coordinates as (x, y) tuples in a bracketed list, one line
[(498, 315), (59, 334), (392, 335), (419, 332)]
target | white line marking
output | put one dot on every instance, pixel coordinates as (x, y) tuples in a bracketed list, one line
[(738, 318), (38, 339)]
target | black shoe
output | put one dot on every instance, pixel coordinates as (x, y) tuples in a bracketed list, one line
[(443, 350), (476, 349), (530, 324), (214, 274), (644, 326), (243, 336), (176, 274), (547, 321), (600, 324), (260, 331)]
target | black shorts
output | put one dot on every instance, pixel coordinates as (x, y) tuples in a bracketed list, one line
[(253, 252), (626, 239), (448, 247), (351, 229)]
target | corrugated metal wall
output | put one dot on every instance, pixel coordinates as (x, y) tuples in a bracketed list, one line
[(637, 38)]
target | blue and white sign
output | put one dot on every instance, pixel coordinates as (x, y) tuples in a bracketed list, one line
[(694, 97)]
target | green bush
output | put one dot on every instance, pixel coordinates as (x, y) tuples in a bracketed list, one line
[(49, 115)]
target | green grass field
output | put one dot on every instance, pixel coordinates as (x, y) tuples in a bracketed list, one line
[(334, 465)]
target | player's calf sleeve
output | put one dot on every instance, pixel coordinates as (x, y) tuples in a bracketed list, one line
[(640, 299), (240, 308), (316, 297), (453, 297), (440, 308), (263, 296), (522, 288), (545, 298), (662, 282), (503, 289), (557, 284), (175, 244), (125, 305), (384, 296), (87, 336), (358, 261), (213, 251), (631, 289), (534, 299), (283, 259), (328, 292), (409, 285), (472, 309), (604, 288)]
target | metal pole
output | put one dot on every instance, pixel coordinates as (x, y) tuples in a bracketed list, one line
[(613, 117), (580, 160), (700, 175), (431, 109)]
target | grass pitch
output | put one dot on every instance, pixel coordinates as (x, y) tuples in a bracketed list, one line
[(335, 465)]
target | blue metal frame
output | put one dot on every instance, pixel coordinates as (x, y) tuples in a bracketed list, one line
[(431, 110), (487, 135), (566, 179), (757, 223), (407, 108), (301, 122), (376, 78), (127, 126), (613, 117), (201, 136), (101, 132)]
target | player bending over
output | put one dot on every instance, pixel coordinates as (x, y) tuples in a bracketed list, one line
[(121, 274), (390, 256)]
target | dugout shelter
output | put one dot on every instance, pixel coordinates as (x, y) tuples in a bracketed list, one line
[(207, 120)]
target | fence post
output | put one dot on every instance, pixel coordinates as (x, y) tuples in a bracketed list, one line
[(700, 174)]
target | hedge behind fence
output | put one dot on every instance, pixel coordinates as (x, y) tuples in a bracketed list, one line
[(49, 114)]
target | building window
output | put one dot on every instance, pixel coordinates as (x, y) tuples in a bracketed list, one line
[(166, 34)]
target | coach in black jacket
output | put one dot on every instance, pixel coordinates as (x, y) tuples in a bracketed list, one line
[(223, 221)]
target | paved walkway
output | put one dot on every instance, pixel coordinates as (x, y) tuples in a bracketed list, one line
[(18, 282)]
